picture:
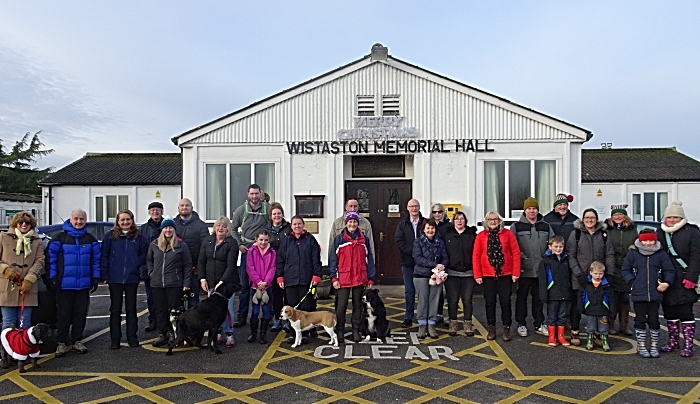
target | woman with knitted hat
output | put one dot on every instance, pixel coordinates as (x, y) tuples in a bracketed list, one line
[(622, 233), (351, 266), (681, 241), (170, 268), (21, 261)]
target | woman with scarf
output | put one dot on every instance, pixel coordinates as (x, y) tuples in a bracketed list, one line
[(21, 261), (430, 255), (496, 265), (351, 266), (681, 240)]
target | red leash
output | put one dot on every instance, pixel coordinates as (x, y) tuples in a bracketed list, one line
[(21, 312)]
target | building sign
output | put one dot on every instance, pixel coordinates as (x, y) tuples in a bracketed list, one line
[(389, 146), (378, 127)]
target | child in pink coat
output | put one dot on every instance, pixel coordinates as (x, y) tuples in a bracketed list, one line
[(260, 266)]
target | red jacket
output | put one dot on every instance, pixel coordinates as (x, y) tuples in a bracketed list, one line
[(351, 262), (20, 343), (511, 253)]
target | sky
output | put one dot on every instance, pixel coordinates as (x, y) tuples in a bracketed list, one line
[(127, 76)]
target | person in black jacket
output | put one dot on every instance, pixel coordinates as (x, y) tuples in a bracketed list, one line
[(279, 230), (150, 231), (404, 236), (597, 302), (681, 241), (438, 213), (560, 218), (459, 241), (192, 230), (218, 264), (299, 267), (554, 277)]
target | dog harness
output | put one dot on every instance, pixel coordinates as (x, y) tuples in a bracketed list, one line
[(20, 343)]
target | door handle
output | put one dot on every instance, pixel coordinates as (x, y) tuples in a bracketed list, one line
[(381, 236)]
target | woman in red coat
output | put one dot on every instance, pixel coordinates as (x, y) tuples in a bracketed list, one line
[(496, 263)]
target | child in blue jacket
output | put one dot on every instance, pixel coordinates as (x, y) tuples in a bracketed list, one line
[(649, 270), (554, 276), (597, 302)]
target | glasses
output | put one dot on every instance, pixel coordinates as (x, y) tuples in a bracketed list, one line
[(438, 211), (495, 219), (27, 222), (589, 218), (413, 206)]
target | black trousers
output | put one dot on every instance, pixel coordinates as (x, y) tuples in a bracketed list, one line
[(683, 312), (122, 293), (294, 296), (343, 295), (529, 286), (72, 311), (574, 314), (646, 313), (279, 299), (500, 287), (460, 288), (166, 299)]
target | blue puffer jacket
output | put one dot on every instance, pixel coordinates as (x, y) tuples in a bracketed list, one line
[(427, 254), (121, 259), (74, 257), (643, 271)]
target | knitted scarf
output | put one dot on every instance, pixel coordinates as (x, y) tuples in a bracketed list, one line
[(647, 250), (24, 242), (494, 250)]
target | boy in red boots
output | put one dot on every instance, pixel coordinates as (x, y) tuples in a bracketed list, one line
[(555, 289)]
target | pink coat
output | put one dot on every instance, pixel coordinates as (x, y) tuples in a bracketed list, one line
[(260, 268)]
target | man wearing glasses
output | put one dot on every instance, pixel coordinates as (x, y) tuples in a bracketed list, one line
[(406, 233)]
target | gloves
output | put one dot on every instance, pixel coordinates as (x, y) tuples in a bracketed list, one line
[(93, 285), (688, 284), (582, 280), (9, 273), (26, 287)]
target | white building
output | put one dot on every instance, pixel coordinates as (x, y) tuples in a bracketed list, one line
[(104, 183), (381, 130), (646, 179), (11, 203)]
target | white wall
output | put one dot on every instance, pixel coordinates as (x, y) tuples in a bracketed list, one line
[(618, 193), (68, 198)]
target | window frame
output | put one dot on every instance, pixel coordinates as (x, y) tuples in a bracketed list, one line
[(105, 216), (658, 214)]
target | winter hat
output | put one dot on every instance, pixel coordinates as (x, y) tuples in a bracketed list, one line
[(562, 198), (531, 203), (618, 209), (648, 236), (155, 204), (351, 214), (675, 209), (167, 221)]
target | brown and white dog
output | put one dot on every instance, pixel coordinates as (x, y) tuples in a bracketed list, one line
[(305, 320)]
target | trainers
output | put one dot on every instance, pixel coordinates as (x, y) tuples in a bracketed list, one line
[(219, 338), (79, 347), (522, 331), (229, 340), (542, 330), (60, 350)]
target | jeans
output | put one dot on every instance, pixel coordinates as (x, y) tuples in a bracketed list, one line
[(72, 311), (597, 323), (646, 313), (500, 287), (255, 312), (227, 325), (531, 286), (459, 288), (244, 293), (11, 316), (122, 293), (428, 298), (409, 291), (556, 312)]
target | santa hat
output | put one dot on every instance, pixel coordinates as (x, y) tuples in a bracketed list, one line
[(562, 198)]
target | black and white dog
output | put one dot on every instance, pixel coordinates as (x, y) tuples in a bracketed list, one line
[(174, 315), (206, 316), (22, 344), (374, 322)]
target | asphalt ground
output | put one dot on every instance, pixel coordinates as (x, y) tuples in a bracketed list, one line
[(447, 369)]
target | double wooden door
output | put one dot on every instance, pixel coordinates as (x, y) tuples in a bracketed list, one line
[(384, 204)]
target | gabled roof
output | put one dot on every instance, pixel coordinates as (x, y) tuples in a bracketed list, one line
[(638, 165), (7, 196), (362, 63), (120, 169)]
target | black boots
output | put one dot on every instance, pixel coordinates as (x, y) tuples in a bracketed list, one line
[(253, 332), (164, 338), (263, 331)]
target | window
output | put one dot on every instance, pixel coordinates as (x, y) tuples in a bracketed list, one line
[(508, 183), (365, 105), (107, 207), (649, 206), (390, 105), (226, 185)]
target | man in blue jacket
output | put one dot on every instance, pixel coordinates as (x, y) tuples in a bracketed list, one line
[(74, 271)]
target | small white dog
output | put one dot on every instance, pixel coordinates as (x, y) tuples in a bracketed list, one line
[(305, 320)]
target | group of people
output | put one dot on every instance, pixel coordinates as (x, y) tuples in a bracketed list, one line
[(572, 266)]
